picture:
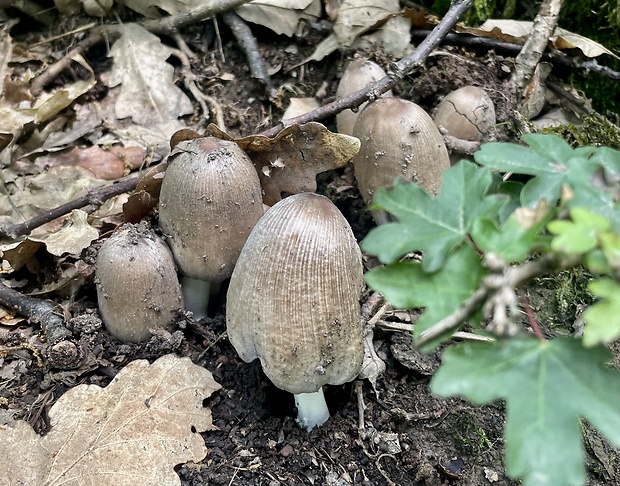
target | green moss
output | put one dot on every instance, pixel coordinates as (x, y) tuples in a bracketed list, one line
[(469, 436), (594, 131)]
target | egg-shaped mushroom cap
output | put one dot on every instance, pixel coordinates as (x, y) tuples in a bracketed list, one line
[(293, 299), (137, 284), (209, 202), (359, 74), (398, 140), (466, 113)]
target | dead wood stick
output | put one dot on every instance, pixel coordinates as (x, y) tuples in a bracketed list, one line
[(535, 45), (93, 198), (553, 56), (248, 44), (396, 75)]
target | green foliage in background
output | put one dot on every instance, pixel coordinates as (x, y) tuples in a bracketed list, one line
[(472, 235)]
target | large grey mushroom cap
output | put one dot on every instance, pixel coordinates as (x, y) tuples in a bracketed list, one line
[(293, 300), (398, 140), (210, 200), (137, 284)]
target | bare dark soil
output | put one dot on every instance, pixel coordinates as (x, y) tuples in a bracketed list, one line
[(409, 436)]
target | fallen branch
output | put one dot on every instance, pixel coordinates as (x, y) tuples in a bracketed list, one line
[(61, 352), (535, 45), (248, 44), (93, 198), (553, 56)]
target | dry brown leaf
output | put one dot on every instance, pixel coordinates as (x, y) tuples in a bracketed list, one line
[(133, 432), (517, 31), (358, 16), (148, 93), (76, 235), (290, 162), (281, 16), (105, 163)]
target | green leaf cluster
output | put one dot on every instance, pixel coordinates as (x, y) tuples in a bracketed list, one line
[(565, 203)]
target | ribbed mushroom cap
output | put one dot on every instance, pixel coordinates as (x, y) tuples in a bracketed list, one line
[(466, 113), (360, 74), (293, 299), (137, 284), (398, 139), (210, 200)]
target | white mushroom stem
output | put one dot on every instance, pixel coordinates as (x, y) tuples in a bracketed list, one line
[(196, 296), (312, 410)]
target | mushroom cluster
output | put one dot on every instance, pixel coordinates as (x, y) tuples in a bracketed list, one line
[(210, 200), (293, 301)]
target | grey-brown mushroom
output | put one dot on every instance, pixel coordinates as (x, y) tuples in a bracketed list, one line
[(293, 301), (210, 200), (360, 74), (467, 113), (137, 284), (398, 140)]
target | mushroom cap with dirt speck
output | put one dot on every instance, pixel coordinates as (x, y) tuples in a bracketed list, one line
[(137, 284), (293, 299), (209, 202), (467, 113), (398, 140)]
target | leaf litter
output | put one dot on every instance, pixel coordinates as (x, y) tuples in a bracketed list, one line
[(256, 441)]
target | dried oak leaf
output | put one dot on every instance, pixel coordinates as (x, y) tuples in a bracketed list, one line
[(133, 432), (289, 162)]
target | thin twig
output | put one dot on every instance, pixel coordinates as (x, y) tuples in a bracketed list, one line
[(536, 43), (94, 198), (248, 44)]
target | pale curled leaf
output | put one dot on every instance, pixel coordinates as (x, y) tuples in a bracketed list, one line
[(148, 93), (281, 16), (358, 16), (72, 238), (133, 432), (290, 162)]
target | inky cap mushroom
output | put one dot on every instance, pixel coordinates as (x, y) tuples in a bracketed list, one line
[(293, 301), (137, 285), (210, 200)]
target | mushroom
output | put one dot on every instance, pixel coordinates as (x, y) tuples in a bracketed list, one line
[(398, 139), (360, 74), (209, 202), (293, 301), (137, 284), (466, 113)]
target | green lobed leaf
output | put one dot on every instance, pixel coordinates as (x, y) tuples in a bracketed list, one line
[(508, 157), (435, 225), (579, 235), (552, 146), (548, 386), (603, 318), (407, 286), (609, 160), (513, 241)]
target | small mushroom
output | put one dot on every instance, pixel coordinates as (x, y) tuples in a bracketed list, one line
[(466, 113), (398, 140), (293, 301), (137, 284), (209, 202), (360, 74)]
